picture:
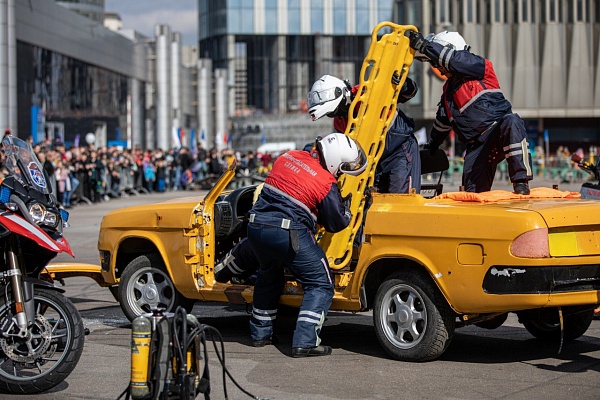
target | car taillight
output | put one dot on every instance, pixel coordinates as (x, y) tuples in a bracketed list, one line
[(532, 244)]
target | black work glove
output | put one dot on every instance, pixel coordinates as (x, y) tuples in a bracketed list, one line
[(396, 78), (347, 200), (417, 41), (432, 146)]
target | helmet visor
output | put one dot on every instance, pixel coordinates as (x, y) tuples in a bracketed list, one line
[(356, 166), (316, 98)]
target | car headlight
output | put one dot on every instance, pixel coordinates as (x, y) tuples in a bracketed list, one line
[(41, 216)]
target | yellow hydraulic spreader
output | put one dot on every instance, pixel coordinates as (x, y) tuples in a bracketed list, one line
[(370, 115)]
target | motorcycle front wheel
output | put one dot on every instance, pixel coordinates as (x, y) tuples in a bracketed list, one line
[(49, 352)]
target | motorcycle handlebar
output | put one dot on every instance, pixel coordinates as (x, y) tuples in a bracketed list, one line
[(586, 166)]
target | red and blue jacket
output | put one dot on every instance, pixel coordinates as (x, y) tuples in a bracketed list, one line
[(472, 101), (299, 193)]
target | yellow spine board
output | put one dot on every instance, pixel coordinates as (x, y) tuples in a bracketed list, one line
[(371, 113)]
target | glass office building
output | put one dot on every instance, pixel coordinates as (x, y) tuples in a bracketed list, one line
[(274, 49), (72, 96), (545, 53)]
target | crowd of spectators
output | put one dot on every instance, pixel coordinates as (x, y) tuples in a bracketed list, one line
[(88, 174)]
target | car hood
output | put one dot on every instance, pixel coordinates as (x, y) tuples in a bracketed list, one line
[(174, 213)]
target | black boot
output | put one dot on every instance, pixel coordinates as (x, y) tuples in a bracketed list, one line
[(311, 351), (273, 340), (521, 187)]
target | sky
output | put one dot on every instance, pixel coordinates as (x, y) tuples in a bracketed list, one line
[(143, 16)]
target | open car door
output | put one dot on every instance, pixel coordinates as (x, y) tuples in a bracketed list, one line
[(202, 231)]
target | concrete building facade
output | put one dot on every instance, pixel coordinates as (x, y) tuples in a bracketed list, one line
[(65, 74), (545, 53)]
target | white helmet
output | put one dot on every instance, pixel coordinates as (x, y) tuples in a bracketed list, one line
[(452, 40), (326, 95), (340, 154)]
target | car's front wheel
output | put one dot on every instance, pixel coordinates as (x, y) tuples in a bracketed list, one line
[(413, 321), (145, 285)]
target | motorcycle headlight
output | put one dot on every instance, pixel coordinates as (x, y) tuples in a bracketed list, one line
[(37, 213), (41, 216), (50, 219)]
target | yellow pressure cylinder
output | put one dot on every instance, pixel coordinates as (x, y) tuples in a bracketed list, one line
[(141, 336)]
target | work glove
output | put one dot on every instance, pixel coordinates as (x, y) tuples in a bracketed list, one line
[(408, 91), (347, 200), (348, 85), (417, 41), (432, 146), (396, 78)]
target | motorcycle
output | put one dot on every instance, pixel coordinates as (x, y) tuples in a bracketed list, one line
[(41, 331), (589, 190)]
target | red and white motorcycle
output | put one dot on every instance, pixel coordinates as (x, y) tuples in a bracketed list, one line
[(589, 190), (41, 331)]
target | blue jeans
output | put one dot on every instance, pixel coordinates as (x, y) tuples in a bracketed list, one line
[(274, 250)]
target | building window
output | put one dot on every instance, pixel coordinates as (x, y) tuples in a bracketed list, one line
[(443, 14), (551, 11), (293, 17), (578, 11), (362, 18), (316, 16), (339, 17), (496, 12), (468, 11), (414, 13), (384, 11), (523, 11), (271, 16)]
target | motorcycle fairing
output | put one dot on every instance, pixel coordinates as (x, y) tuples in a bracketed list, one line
[(22, 227)]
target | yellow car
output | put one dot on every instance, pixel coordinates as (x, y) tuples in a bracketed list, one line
[(425, 267)]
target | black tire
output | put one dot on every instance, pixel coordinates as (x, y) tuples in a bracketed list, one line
[(413, 321), (58, 354), (146, 284), (548, 329)]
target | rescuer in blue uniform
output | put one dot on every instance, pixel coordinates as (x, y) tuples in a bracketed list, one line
[(473, 105), (300, 191), (399, 168)]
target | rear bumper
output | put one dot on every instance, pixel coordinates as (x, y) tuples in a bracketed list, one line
[(501, 279)]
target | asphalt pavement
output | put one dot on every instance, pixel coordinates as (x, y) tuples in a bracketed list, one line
[(506, 363)]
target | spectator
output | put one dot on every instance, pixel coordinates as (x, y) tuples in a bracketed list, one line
[(63, 184)]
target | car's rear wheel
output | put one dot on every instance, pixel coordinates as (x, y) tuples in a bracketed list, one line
[(544, 327), (413, 321), (145, 284)]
